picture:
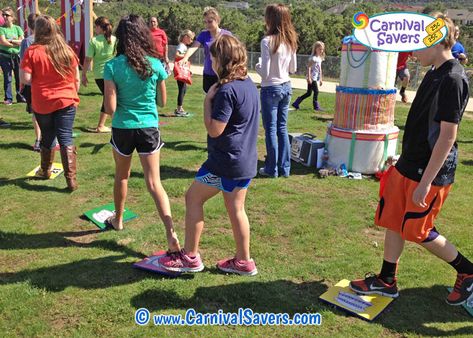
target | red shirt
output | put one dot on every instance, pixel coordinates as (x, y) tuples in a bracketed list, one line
[(49, 90), (160, 40), (402, 59)]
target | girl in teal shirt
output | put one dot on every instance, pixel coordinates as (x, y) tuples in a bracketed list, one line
[(134, 83)]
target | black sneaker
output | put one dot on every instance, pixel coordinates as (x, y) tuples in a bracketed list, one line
[(462, 291), (372, 284)]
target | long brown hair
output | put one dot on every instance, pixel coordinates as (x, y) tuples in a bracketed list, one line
[(231, 59), (279, 26), (106, 27), (316, 45), (48, 34), (135, 42)]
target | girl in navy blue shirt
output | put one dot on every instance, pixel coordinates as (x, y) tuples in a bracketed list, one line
[(231, 112)]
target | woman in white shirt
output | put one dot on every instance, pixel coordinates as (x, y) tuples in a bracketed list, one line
[(278, 59)]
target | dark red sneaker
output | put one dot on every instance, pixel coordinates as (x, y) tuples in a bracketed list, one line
[(462, 291), (372, 284), (233, 265)]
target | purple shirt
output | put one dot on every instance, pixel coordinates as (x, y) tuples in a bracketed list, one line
[(205, 39)]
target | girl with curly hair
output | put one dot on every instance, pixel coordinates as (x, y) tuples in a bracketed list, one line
[(134, 82), (231, 113)]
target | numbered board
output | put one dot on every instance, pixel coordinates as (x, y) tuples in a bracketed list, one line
[(367, 307), (99, 215), (56, 170)]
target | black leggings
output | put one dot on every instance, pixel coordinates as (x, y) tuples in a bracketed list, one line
[(208, 81), (100, 83), (182, 92), (313, 87)]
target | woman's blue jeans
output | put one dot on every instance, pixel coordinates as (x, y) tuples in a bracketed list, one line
[(274, 110), (56, 124)]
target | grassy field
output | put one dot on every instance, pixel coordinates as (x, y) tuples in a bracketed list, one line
[(60, 276)]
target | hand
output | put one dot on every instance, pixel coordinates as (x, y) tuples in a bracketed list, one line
[(309, 80), (419, 195), (84, 79), (320, 83), (212, 91)]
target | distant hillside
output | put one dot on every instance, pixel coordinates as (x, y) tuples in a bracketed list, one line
[(313, 19)]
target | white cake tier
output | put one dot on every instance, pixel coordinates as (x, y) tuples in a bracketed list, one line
[(365, 68)]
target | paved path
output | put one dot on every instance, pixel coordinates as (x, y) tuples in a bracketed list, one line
[(327, 87)]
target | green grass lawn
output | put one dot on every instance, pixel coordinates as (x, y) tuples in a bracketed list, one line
[(59, 276)]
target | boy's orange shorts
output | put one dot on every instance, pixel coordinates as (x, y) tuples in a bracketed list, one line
[(397, 212)]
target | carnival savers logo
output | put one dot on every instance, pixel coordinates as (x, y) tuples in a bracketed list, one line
[(398, 32)]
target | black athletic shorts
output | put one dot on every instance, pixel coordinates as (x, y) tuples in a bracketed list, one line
[(146, 141)]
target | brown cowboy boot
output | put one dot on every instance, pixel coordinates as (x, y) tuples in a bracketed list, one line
[(47, 158), (68, 157)]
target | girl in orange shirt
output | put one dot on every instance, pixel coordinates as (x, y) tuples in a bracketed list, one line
[(51, 68)]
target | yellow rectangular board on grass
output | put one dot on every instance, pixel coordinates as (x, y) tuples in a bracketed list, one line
[(367, 307), (56, 170)]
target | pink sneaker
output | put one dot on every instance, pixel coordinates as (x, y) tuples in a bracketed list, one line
[(181, 262), (232, 265)]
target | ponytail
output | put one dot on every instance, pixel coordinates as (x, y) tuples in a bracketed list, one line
[(106, 27)]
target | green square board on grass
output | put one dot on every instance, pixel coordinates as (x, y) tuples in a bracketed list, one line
[(100, 214), (468, 305)]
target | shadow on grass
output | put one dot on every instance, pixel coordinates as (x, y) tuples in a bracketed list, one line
[(96, 147), (167, 172), (297, 169), (467, 162), (419, 311), (23, 183), (19, 241), (91, 94), (16, 145), (95, 273), (279, 296), (465, 142), (422, 310), (184, 146), (323, 118), (21, 126)]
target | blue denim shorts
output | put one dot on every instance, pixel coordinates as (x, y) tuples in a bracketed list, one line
[(221, 183)]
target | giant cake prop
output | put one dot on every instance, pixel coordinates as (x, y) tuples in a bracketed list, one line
[(362, 134)]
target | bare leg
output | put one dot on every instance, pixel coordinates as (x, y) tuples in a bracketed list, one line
[(393, 246), (120, 188), (152, 175), (37, 130), (442, 248), (235, 204), (196, 196), (102, 119)]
